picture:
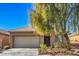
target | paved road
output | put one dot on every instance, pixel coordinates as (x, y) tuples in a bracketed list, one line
[(20, 52)]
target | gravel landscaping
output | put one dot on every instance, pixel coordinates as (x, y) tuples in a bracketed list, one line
[(60, 52)]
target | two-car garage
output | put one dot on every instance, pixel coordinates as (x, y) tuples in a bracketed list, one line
[(26, 42)]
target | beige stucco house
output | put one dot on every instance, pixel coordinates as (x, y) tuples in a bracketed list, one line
[(28, 38), (25, 38)]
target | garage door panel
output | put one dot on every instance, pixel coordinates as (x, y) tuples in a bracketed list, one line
[(26, 42)]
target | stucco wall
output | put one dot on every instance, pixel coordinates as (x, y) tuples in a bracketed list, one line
[(74, 38), (0, 40), (4, 40), (41, 39), (52, 38), (14, 34)]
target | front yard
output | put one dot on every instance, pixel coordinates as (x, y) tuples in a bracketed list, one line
[(44, 51), (60, 51), (37, 52)]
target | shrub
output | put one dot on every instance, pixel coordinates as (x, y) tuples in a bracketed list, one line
[(43, 48), (57, 44)]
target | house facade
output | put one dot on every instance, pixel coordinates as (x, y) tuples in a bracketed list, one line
[(4, 38), (27, 38)]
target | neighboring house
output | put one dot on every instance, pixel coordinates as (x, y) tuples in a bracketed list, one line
[(4, 38), (74, 38)]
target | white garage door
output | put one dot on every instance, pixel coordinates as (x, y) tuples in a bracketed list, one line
[(26, 42)]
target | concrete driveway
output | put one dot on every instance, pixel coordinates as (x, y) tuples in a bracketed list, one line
[(20, 52)]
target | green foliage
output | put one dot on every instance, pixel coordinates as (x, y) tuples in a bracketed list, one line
[(43, 48), (42, 23), (53, 18), (57, 44)]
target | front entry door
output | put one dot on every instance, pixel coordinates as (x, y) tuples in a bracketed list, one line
[(47, 40)]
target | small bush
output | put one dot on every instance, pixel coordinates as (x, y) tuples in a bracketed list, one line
[(57, 44), (43, 48)]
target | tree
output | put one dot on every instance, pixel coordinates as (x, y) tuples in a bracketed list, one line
[(39, 20), (48, 19)]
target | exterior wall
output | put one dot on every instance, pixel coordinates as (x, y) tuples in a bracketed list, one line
[(41, 39), (4, 40), (14, 34), (0, 40), (11, 41), (22, 33), (52, 38), (74, 38)]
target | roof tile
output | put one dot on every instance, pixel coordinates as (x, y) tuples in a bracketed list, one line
[(23, 29)]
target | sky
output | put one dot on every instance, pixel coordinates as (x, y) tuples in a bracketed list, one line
[(14, 15)]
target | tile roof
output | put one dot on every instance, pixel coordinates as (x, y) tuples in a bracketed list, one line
[(25, 29), (4, 32)]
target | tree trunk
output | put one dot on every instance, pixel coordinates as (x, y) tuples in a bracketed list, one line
[(67, 40), (53, 40)]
